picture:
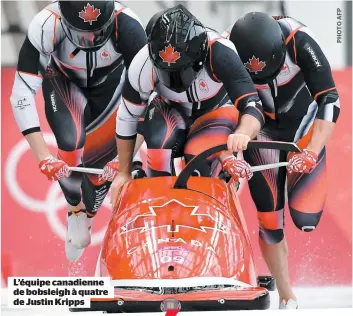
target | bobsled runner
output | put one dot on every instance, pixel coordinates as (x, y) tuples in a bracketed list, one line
[(181, 243)]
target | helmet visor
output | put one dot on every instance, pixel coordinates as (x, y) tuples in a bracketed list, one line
[(89, 39), (177, 80)]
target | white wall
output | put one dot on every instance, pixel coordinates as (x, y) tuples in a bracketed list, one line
[(321, 18)]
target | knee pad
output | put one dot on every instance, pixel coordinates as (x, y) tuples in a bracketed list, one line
[(306, 222), (71, 188), (271, 226), (271, 236), (72, 158)]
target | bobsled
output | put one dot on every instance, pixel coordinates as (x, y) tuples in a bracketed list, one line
[(181, 243)]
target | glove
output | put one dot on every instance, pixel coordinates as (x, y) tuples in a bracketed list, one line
[(303, 162), (111, 170), (54, 168), (237, 168)]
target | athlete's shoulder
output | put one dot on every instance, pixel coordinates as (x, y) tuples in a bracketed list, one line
[(125, 13), (45, 29), (288, 25), (141, 74), (222, 56), (130, 34), (227, 32), (297, 35), (216, 38)]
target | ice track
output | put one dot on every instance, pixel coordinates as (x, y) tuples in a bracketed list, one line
[(309, 298)]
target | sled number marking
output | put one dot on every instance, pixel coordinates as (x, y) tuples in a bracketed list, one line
[(176, 259)]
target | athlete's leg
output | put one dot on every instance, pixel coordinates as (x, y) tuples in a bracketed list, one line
[(64, 108), (307, 192), (209, 130), (165, 133), (100, 148), (267, 191)]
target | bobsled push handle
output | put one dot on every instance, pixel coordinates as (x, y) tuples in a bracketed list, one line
[(181, 182), (285, 146), (86, 170)]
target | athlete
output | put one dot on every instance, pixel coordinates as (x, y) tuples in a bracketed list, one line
[(198, 83), (77, 51), (295, 84)]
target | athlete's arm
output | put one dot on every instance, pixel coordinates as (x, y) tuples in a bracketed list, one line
[(227, 68), (131, 39), (318, 77), (131, 36), (35, 50), (27, 82), (130, 110)]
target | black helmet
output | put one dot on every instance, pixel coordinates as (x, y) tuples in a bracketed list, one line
[(87, 24), (260, 43), (151, 22), (178, 48)]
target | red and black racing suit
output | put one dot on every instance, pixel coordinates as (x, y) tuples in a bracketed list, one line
[(304, 91), (82, 92), (195, 120)]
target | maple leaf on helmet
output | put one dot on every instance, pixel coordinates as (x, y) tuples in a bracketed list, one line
[(89, 13), (255, 65), (169, 55)]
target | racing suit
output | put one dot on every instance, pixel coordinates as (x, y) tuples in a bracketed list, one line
[(189, 122), (81, 90), (304, 91)]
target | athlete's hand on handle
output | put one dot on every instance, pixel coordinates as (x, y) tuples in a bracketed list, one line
[(55, 169), (111, 170), (237, 168), (238, 142), (117, 184), (303, 162)]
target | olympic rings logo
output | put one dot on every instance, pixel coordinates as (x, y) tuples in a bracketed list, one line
[(54, 200)]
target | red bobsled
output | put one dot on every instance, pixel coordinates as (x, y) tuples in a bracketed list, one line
[(180, 243)]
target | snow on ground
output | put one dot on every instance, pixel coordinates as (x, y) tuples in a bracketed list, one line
[(308, 298)]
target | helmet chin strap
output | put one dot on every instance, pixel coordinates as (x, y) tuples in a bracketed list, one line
[(273, 86)]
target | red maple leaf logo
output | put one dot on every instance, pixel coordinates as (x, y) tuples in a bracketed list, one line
[(89, 14), (203, 85), (255, 65), (169, 55)]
